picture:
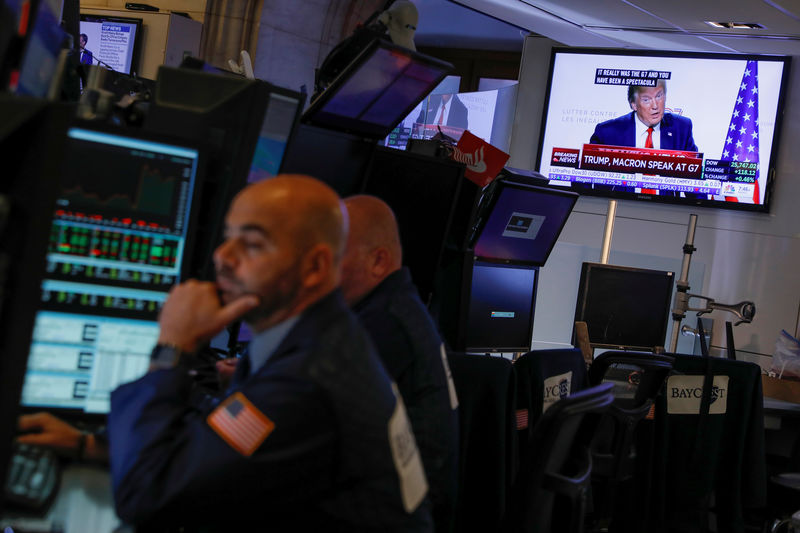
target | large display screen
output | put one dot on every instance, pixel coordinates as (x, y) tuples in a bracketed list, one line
[(117, 244), (700, 129)]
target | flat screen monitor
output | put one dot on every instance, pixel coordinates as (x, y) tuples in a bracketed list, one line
[(486, 114), (624, 307), (339, 159), (112, 42), (501, 306), (280, 121), (520, 223), (39, 62), (117, 243), (715, 117), (380, 87)]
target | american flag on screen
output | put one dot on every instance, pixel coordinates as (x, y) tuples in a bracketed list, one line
[(741, 143), (240, 424)]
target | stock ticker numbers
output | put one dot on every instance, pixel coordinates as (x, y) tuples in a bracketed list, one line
[(112, 245)]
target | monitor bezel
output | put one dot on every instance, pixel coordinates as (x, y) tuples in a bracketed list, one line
[(494, 191), (137, 39), (358, 127), (738, 206), (580, 303)]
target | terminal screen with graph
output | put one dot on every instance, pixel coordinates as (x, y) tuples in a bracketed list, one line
[(118, 238)]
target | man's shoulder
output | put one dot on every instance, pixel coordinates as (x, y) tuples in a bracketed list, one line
[(623, 120), (671, 119)]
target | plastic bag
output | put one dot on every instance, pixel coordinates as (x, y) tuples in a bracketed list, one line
[(786, 361)]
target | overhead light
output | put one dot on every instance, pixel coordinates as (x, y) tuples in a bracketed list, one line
[(735, 25)]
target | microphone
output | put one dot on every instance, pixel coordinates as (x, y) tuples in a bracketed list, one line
[(103, 63)]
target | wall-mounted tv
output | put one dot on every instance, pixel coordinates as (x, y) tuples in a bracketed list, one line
[(686, 128), (111, 42)]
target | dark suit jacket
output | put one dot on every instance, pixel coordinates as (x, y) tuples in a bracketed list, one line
[(676, 132), (86, 57), (456, 118), (327, 464)]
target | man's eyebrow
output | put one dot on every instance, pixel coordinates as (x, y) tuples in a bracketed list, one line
[(248, 228)]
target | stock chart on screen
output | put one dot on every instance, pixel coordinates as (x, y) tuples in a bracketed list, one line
[(116, 247)]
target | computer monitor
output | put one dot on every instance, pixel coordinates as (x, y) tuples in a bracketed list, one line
[(39, 62), (430, 198), (280, 122), (380, 87), (112, 42), (624, 307), (337, 158), (520, 223), (118, 239), (501, 307)]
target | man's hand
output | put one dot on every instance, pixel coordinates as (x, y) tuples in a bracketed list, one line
[(226, 368), (193, 314), (47, 430)]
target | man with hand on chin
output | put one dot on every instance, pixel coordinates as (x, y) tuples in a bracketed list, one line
[(312, 434)]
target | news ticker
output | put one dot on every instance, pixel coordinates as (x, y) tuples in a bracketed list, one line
[(669, 170)]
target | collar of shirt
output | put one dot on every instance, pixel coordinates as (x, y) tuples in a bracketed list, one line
[(265, 343), (641, 133)]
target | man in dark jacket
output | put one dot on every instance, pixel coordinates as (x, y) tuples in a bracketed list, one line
[(387, 303), (312, 435)]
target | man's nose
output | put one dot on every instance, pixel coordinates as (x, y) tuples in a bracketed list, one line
[(222, 255)]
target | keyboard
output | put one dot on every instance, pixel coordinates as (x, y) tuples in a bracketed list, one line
[(33, 476)]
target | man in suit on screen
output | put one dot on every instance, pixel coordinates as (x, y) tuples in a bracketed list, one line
[(446, 110), (647, 126)]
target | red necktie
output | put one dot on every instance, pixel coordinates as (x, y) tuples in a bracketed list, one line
[(441, 115), (648, 143)]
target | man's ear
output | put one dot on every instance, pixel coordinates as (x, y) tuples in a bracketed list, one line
[(316, 266), (380, 262)]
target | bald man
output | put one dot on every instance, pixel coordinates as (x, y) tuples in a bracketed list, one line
[(387, 303), (312, 435)]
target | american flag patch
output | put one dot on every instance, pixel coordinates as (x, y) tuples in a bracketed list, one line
[(522, 418), (240, 424)]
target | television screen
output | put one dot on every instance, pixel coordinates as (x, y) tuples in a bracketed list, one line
[(501, 307), (116, 248), (699, 129), (486, 114), (111, 42), (381, 86), (520, 223), (624, 307)]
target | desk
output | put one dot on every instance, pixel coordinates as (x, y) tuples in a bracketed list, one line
[(84, 504)]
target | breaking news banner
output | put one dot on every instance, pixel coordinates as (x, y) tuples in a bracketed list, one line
[(715, 121)]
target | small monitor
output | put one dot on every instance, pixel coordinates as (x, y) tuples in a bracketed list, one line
[(116, 248), (380, 87), (280, 120), (39, 63), (624, 307), (520, 223), (111, 42), (501, 307)]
